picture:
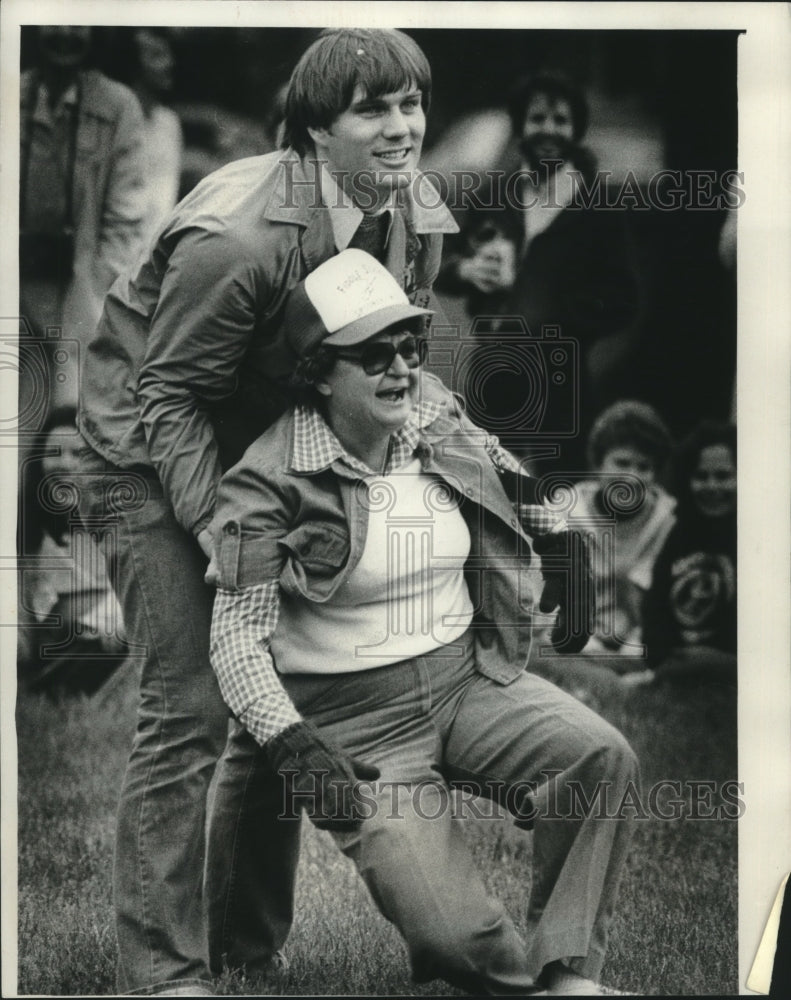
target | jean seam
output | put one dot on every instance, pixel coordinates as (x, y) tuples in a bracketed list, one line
[(228, 909), (122, 520)]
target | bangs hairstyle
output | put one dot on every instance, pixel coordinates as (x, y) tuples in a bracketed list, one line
[(630, 424), (322, 86)]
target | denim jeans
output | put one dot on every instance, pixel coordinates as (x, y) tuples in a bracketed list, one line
[(433, 722), (182, 724)]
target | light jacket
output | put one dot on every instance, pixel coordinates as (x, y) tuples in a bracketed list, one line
[(182, 373), (109, 193), (308, 530)]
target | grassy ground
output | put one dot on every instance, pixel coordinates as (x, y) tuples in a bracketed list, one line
[(675, 930)]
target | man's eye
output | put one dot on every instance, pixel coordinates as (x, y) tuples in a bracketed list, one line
[(411, 104)]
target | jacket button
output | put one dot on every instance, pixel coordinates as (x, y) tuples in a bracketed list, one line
[(513, 522), (231, 529), (469, 491)]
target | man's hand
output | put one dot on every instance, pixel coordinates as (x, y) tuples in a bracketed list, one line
[(568, 586), (321, 778), (206, 542)]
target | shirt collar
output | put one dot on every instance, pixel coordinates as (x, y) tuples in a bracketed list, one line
[(315, 446), (422, 204), (345, 216), (42, 112)]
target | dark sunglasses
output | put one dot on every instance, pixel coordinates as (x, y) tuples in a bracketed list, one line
[(377, 357)]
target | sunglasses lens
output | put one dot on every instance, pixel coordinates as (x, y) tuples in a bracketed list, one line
[(377, 358)]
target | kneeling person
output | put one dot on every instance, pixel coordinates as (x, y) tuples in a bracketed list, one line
[(371, 625)]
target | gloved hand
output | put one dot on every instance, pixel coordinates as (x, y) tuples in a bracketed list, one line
[(319, 778), (568, 586)]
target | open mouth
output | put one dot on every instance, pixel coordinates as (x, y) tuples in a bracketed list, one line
[(394, 155), (393, 395)]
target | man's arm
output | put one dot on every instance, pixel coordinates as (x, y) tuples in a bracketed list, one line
[(199, 335)]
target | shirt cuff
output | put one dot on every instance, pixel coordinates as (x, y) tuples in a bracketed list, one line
[(266, 717)]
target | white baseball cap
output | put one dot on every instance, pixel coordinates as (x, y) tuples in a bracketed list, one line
[(346, 300)]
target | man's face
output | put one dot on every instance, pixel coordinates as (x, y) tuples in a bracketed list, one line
[(374, 146), (548, 130), (64, 46)]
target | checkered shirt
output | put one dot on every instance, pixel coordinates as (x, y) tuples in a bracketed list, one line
[(244, 621)]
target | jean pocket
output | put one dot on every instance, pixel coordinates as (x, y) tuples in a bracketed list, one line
[(313, 693)]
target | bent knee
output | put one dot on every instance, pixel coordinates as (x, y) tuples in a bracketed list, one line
[(616, 758)]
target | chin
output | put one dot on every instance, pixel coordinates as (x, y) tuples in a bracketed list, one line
[(396, 178)]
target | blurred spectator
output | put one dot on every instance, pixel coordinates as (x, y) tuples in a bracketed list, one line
[(571, 266), (70, 621), (81, 198), (152, 82), (690, 614), (628, 516)]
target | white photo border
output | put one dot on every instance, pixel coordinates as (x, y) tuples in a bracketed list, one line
[(763, 360)]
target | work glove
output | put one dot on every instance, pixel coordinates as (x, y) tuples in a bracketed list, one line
[(568, 586), (319, 778)]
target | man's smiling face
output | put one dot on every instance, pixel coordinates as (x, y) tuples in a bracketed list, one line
[(548, 129), (375, 143)]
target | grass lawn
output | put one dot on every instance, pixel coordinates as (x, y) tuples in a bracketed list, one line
[(675, 930)]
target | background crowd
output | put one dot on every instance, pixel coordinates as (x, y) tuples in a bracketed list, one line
[(645, 292)]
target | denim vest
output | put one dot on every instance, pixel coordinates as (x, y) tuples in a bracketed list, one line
[(308, 530)]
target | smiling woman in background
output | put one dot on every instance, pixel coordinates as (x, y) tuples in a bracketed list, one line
[(689, 622)]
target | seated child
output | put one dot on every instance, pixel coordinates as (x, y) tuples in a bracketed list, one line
[(689, 624), (628, 516)]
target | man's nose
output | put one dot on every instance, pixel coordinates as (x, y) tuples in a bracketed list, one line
[(395, 123)]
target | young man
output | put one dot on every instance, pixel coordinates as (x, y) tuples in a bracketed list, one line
[(182, 374)]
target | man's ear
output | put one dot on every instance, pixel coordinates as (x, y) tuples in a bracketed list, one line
[(319, 136)]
